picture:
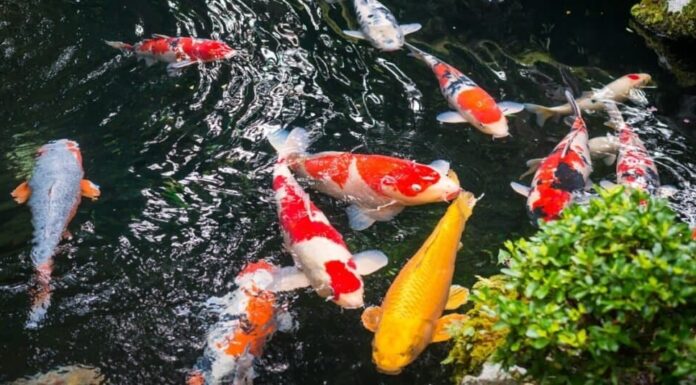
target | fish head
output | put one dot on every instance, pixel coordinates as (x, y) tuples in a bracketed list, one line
[(256, 274), (386, 36), (62, 145), (418, 184), (497, 129), (346, 284), (638, 80), (215, 50), (394, 348)]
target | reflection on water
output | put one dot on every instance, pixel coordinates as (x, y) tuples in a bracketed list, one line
[(185, 171)]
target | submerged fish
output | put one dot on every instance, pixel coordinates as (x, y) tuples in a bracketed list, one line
[(410, 317), (54, 192), (562, 175), (248, 317), (322, 257), (619, 90), (65, 375), (379, 26), (179, 52), (379, 187), (471, 103)]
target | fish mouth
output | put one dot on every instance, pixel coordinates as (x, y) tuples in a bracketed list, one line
[(451, 196)]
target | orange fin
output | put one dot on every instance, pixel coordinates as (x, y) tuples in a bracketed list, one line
[(89, 189), (22, 193), (458, 296), (444, 323), (370, 318)]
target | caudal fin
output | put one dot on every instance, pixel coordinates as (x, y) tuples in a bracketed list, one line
[(119, 45), (41, 296), (542, 113), (289, 144)]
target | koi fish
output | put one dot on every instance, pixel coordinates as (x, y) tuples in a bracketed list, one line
[(619, 90), (379, 187), (602, 148), (66, 375), (179, 52), (248, 317), (410, 316), (53, 193), (379, 26), (635, 168), (470, 102), (322, 257), (562, 175)]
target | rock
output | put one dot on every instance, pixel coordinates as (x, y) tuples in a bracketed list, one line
[(493, 374), (672, 19)]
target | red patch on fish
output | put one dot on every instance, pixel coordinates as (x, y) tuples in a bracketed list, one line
[(334, 166), (633, 77), (479, 104), (343, 281), (295, 216), (378, 171), (551, 202), (256, 266)]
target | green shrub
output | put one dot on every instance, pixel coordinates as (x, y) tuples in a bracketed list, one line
[(478, 337), (606, 294)]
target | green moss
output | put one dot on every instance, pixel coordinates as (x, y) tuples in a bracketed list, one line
[(478, 337), (653, 14)]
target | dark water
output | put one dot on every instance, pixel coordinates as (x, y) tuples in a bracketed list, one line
[(185, 171)]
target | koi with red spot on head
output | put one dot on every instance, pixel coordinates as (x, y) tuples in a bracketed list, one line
[(470, 102), (378, 187), (560, 176), (180, 52)]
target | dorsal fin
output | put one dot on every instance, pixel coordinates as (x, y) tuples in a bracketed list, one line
[(573, 104)]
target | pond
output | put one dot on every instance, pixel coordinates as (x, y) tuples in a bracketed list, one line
[(185, 171)]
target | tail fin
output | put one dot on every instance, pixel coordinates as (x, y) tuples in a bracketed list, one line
[(119, 45), (542, 113), (42, 296), (289, 144), (615, 118), (420, 54), (573, 104)]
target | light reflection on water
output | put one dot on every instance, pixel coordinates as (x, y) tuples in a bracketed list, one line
[(185, 171)]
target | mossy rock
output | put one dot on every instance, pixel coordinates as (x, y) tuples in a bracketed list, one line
[(654, 14)]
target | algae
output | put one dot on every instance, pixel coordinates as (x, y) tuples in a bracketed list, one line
[(654, 14)]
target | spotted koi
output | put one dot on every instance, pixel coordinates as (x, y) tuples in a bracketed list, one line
[(379, 26)]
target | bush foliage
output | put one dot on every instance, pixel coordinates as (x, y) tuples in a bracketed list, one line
[(605, 294)]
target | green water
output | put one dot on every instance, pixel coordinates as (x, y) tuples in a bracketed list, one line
[(185, 172)]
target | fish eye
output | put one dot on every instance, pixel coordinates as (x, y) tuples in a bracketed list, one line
[(416, 187)]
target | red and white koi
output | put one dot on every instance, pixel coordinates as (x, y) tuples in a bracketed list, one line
[(619, 90), (179, 52), (248, 317), (379, 187), (470, 102), (322, 258), (53, 192), (562, 175)]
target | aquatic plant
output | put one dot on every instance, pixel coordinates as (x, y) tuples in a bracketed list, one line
[(605, 295)]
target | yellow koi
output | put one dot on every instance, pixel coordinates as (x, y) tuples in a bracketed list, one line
[(410, 317)]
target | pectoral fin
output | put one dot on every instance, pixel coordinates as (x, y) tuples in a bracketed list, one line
[(607, 185), (289, 278), (451, 117), (370, 318), (361, 218), (355, 34), (410, 28), (22, 193), (533, 165), (149, 61), (444, 323), (369, 261), (441, 166), (159, 36), (458, 296), (509, 108), (180, 64), (520, 189), (89, 189)]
